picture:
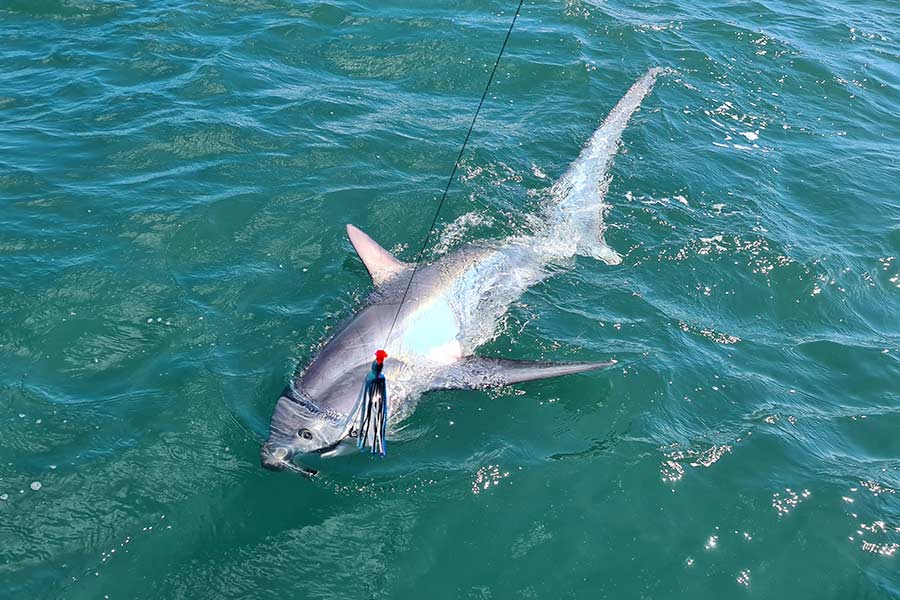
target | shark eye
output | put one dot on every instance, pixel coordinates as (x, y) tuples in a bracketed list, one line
[(306, 434)]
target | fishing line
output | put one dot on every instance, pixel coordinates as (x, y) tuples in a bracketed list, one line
[(452, 175), (371, 429)]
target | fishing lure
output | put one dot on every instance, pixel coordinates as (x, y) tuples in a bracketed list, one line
[(373, 408)]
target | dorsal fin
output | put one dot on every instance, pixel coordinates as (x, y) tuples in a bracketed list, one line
[(379, 262)]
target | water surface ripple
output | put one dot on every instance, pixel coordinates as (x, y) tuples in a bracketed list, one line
[(175, 178)]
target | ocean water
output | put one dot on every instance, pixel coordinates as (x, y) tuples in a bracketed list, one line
[(175, 178)]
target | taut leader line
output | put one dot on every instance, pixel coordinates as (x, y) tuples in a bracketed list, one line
[(373, 399)]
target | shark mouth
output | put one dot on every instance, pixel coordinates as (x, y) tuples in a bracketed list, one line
[(282, 460), (304, 471), (331, 450)]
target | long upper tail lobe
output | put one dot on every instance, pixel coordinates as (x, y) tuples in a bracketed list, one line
[(578, 215)]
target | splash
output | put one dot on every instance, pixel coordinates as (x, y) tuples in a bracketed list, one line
[(577, 209), (455, 231)]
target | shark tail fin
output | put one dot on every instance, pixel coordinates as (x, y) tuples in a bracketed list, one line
[(476, 372), (583, 188), (599, 250)]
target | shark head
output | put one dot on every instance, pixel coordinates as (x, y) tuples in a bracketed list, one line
[(299, 427)]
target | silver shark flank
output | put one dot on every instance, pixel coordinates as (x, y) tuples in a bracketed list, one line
[(453, 306)]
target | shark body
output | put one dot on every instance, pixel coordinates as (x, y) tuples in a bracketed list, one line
[(452, 306)]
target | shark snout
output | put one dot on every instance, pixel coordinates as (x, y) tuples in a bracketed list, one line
[(275, 457)]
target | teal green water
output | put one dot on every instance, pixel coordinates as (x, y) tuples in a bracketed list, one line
[(175, 179)]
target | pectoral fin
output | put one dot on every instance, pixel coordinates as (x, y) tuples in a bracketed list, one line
[(475, 372), (380, 263)]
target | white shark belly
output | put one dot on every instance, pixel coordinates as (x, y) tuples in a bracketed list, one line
[(431, 332), (461, 313)]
